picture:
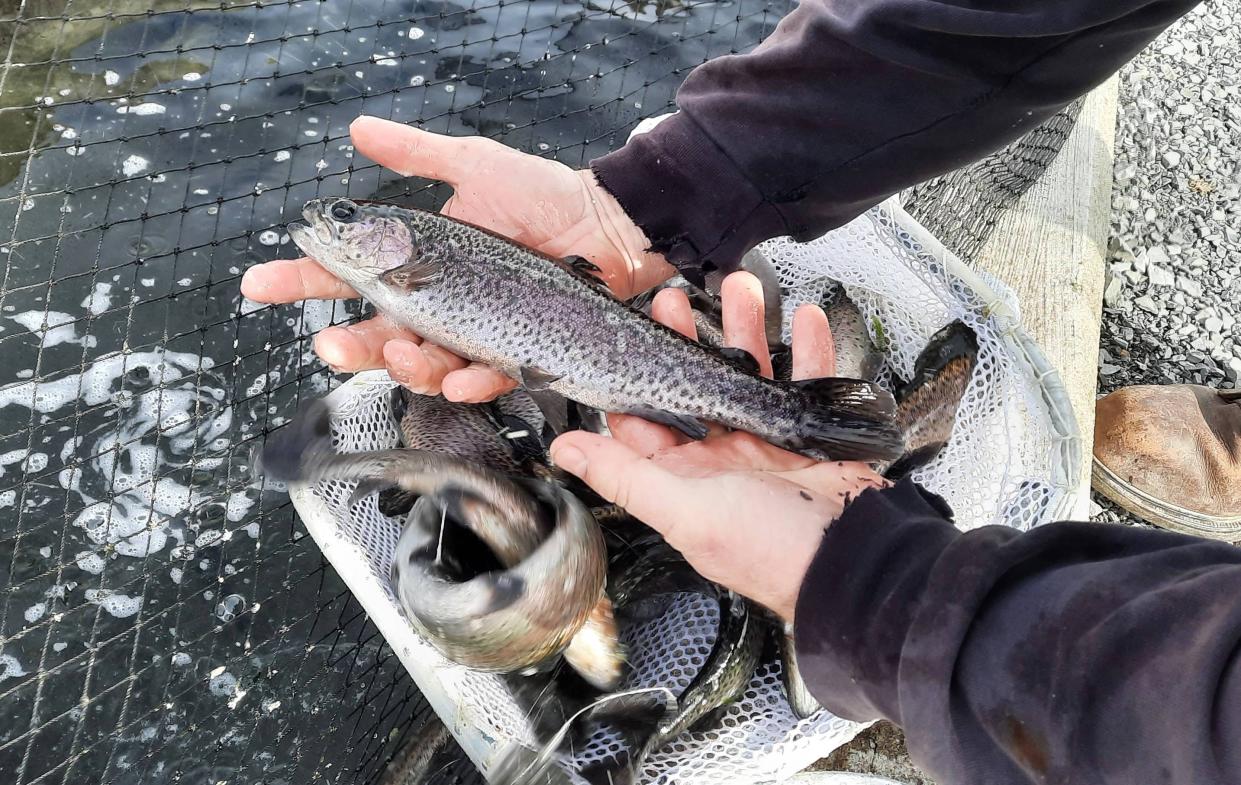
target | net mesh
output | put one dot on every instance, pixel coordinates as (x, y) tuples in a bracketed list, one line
[(999, 468), (164, 618)]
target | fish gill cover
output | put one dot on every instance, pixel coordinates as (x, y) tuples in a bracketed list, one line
[(163, 618)]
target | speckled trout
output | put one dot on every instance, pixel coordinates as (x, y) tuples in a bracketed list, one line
[(553, 326)]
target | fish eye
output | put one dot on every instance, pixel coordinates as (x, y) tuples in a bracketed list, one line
[(344, 210)]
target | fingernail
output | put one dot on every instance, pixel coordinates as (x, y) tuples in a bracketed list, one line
[(571, 459)]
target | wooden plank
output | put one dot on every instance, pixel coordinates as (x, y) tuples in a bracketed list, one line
[(1050, 247)]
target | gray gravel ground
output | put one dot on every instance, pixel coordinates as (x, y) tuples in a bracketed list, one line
[(1172, 304), (1172, 299)]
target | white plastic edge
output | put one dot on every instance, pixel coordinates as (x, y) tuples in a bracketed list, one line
[(348, 558), (1055, 396)]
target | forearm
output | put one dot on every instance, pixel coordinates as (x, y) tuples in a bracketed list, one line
[(850, 101), (1073, 653)]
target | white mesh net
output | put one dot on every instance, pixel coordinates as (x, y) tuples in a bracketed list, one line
[(1013, 448)]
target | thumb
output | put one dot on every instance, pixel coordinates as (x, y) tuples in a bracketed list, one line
[(622, 476)]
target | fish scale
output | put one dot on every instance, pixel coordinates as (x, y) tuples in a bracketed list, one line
[(553, 327)]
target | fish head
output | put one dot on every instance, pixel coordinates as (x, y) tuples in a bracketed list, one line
[(355, 241)]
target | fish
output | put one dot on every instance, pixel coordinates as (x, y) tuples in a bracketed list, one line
[(553, 326), (506, 434), (927, 404), (412, 765), (801, 700), (545, 580), (707, 309), (856, 354), (645, 575)]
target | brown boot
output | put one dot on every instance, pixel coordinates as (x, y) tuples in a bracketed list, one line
[(1172, 456)]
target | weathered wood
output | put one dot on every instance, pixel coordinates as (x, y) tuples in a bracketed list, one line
[(1050, 248)]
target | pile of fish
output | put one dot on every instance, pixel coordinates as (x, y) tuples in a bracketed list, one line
[(506, 564)]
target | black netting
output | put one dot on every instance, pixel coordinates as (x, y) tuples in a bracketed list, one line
[(163, 620)]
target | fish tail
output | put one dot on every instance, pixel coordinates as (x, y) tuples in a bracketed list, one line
[(848, 420), (284, 455), (302, 451)]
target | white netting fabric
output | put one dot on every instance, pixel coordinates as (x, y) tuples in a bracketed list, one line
[(1013, 449)]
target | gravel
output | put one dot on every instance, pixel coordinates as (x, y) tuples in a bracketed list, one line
[(1172, 294)]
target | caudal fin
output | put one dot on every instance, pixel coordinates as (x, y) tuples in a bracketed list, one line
[(286, 453), (848, 420)]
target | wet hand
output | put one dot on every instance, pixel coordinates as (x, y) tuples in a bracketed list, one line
[(744, 513), (540, 203)]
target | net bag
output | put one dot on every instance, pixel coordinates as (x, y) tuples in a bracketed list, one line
[(1012, 455)]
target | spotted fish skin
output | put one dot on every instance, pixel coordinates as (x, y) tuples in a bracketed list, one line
[(546, 323)]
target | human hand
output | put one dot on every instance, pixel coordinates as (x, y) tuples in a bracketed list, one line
[(537, 202), (746, 514)]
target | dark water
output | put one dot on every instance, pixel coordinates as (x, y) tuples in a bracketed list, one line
[(162, 618)]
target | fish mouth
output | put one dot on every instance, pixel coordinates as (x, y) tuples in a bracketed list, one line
[(315, 213)]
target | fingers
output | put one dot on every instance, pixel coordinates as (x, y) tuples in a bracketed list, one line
[(413, 152), (622, 476), (420, 368), (672, 309), (642, 436), (359, 347), (741, 298), (475, 383), (290, 280), (814, 352)]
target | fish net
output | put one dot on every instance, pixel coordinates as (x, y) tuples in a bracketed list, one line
[(165, 618), (1009, 461)]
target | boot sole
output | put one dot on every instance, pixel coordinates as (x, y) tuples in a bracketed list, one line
[(1162, 513)]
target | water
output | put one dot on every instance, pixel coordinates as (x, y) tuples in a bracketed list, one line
[(163, 618)]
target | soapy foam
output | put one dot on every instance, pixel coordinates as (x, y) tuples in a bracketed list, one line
[(53, 328), (119, 605)]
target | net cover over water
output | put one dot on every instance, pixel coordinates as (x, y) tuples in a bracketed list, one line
[(161, 619)]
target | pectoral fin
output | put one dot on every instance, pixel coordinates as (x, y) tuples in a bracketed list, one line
[(425, 271), (536, 379), (741, 357)]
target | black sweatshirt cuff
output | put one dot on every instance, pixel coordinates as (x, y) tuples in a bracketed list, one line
[(690, 199), (860, 596)]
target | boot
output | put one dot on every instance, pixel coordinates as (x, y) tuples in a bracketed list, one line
[(1171, 455)]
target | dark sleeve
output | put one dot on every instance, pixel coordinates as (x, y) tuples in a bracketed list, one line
[(1075, 653), (849, 101)]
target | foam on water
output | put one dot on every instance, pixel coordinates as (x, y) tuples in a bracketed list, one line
[(161, 427), (94, 385), (89, 561), (10, 668), (36, 612), (53, 328), (237, 506), (99, 299), (222, 684), (119, 605), (133, 165), (142, 109)]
